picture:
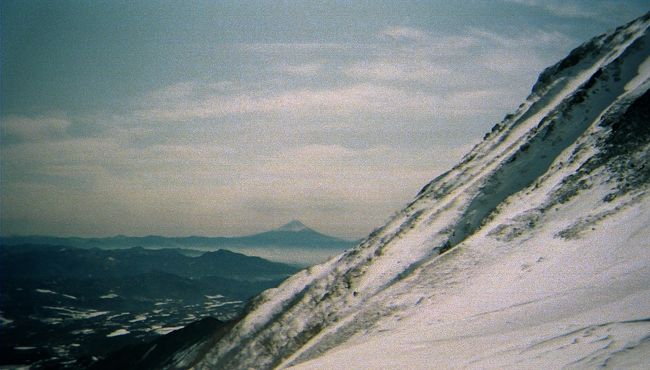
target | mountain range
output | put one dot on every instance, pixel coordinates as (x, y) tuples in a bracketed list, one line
[(532, 252), (292, 234), (63, 306), (292, 243)]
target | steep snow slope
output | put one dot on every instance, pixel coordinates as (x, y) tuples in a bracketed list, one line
[(540, 302), (534, 251)]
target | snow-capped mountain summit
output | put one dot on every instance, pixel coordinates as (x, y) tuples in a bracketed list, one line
[(293, 225), (533, 252)]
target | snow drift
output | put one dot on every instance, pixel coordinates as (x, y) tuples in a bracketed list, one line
[(534, 251)]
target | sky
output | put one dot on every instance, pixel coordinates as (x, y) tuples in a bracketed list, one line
[(235, 117)]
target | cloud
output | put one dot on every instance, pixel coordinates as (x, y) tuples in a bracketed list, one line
[(445, 62), (318, 132), (401, 33), (404, 70), (316, 153), (537, 38), (518, 57), (395, 80), (334, 102), (178, 91), (412, 42), (284, 48), (357, 100), (510, 63), (560, 9), (586, 9), (39, 128), (304, 69), (108, 185)]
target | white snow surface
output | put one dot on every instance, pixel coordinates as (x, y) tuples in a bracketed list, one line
[(47, 291), (139, 318), (117, 333), (76, 314), (167, 330), (541, 302), (543, 230), (4, 321)]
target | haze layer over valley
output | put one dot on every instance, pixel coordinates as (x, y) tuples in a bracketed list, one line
[(293, 243)]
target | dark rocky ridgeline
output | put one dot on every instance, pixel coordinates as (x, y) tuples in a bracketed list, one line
[(46, 261)]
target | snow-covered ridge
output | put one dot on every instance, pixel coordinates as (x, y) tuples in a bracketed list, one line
[(544, 212)]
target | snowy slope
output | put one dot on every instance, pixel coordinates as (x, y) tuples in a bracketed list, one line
[(534, 251)]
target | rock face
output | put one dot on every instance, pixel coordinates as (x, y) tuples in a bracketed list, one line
[(534, 251)]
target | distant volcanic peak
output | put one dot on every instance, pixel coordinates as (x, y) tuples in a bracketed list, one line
[(294, 225)]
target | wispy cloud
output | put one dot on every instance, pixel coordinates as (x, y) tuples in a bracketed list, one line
[(559, 8), (376, 85), (39, 128), (537, 38), (353, 99), (401, 33), (303, 69), (403, 70), (284, 47), (585, 9)]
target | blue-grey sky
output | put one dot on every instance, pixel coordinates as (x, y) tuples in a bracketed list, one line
[(233, 117)]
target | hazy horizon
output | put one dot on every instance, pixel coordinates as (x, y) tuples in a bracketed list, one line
[(194, 118), (276, 228)]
